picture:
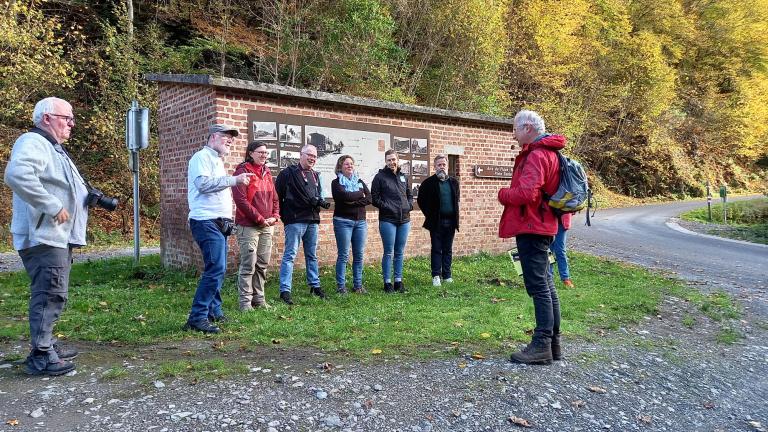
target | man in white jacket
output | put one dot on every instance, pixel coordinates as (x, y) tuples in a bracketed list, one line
[(50, 214)]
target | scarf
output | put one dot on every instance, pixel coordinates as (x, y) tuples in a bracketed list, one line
[(349, 184)]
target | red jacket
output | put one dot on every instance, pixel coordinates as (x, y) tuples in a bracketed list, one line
[(536, 171), (257, 201)]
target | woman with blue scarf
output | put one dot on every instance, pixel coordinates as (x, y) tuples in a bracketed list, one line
[(350, 195)]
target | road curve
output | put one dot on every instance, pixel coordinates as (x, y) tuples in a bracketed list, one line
[(641, 235)]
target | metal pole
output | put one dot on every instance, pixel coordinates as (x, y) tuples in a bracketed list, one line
[(709, 203), (725, 205), (136, 230)]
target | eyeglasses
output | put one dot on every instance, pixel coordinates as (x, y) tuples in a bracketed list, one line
[(262, 152), (309, 155), (68, 119)]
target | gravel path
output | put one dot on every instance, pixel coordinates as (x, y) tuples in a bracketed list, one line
[(659, 375), (10, 261)]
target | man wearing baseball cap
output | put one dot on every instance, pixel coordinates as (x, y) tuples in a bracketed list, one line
[(210, 220)]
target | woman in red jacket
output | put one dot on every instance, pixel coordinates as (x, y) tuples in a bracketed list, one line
[(257, 212)]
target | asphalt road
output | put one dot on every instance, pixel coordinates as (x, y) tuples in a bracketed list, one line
[(648, 236)]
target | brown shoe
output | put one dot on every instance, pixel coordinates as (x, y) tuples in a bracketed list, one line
[(538, 352)]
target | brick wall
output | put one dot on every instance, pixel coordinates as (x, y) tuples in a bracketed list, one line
[(186, 110)]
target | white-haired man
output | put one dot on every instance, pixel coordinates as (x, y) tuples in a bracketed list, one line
[(50, 214), (529, 219)]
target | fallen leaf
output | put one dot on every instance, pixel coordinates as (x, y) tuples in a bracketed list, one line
[(277, 341), (596, 389), (462, 365), (187, 353), (102, 303), (458, 324), (478, 356), (578, 403), (12, 422), (140, 318), (218, 346), (497, 300), (456, 413), (529, 331), (644, 418), (485, 335), (368, 403), (455, 344), (519, 421), (283, 317), (709, 404), (327, 367), (376, 351)]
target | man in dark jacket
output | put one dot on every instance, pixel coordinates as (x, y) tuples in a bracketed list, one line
[(298, 187), (528, 218), (439, 201)]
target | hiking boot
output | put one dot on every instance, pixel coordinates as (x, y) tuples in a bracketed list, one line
[(557, 354), (51, 369), (65, 353), (359, 290), (203, 326), (538, 352), (317, 291), (285, 296), (388, 288), (342, 290), (219, 319), (436, 281), (399, 287), (568, 283)]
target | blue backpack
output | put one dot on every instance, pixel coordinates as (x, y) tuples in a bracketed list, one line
[(573, 193)]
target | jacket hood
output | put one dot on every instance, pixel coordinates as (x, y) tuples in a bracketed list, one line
[(554, 142)]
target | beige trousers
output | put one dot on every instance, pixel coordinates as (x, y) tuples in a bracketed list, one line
[(255, 252)]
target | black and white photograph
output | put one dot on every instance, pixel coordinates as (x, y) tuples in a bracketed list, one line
[(420, 168), (405, 167), (324, 144), (419, 145), (415, 189), (264, 131), (272, 158), (288, 158), (401, 145), (290, 133)]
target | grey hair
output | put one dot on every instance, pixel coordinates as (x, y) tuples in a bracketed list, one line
[(45, 106), (526, 117), (440, 156), (306, 147)]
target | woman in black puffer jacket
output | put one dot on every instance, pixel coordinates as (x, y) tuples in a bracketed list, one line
[(391, 194)]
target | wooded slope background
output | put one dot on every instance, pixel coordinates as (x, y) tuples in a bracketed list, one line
[(655, 96)]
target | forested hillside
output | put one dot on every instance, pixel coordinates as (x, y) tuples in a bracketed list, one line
[(656, 96)]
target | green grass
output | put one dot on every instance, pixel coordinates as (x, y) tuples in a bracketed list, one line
[(729, 336), (485, 309), (747, 220), (114, 373), (200, 370)]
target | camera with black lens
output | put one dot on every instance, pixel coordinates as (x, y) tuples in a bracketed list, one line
[(97, 198), (321, 202)]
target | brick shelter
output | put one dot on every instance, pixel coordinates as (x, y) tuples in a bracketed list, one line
[(479, 149)]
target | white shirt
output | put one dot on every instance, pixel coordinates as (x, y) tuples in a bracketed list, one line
[(208, 186)]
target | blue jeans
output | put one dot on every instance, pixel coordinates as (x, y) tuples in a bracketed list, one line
[(307, 234), (539, 285), (394, 238), (442, 248), (213, 246), (355, 232), (558, 248)]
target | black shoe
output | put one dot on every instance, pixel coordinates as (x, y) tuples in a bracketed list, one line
[(285, 296), (388, 288), (65, 353), (203, 326), (218, 319), (342, 291), (359, 290), (51, 369), (399, 286), (557, 354), (317, 291), (538, 352)]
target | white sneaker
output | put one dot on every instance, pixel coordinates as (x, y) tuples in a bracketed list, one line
[(449, 280), (435, 280)]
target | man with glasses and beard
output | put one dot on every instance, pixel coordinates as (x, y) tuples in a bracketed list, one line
[(210, 220), (438, 199)]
